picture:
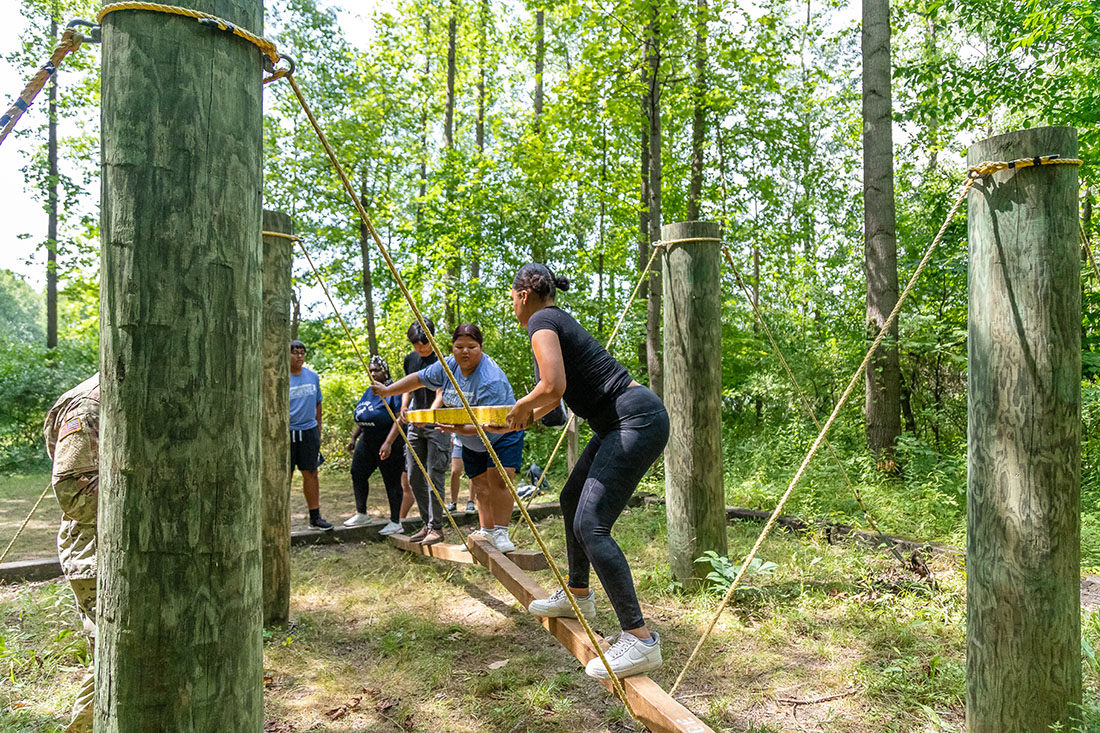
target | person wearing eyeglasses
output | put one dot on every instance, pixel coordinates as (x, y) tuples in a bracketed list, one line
[(431, 445)]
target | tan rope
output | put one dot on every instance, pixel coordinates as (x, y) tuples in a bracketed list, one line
[(366, 367), (821, 435), (616, 683), (666, 242), (283, 235), (266, 47), (23, 526), (70, 41), (610, 341)]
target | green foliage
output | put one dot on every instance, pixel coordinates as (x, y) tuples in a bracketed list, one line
[(725, 572)]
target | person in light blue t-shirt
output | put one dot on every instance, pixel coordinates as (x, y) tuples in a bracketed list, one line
[(305, 430), (483, 383)]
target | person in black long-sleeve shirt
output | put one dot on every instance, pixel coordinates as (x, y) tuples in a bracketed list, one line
[(630, 429), (371, 443)]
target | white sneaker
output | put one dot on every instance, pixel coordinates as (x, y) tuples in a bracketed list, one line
[(627, 656), (500, 540), (557, 606), (391, 528), (358, 520)]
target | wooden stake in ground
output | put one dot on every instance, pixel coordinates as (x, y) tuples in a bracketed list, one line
[(1023, 488), (693, 391), (275, 461), (179, 614)]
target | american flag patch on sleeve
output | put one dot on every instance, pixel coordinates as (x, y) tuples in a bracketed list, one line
[(72, 426)]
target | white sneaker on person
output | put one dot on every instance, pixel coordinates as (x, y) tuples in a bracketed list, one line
[(391, 528), (557, 605), (500, 540), (480, 532), (627, 656), (357, 520)]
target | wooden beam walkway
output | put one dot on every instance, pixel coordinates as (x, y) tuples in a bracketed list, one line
[(653, 706)]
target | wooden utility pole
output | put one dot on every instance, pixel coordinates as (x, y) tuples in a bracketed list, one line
[(275, 409), (695, 500), (1023, 654), (179, 644)]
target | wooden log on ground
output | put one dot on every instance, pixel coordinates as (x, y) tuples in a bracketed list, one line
[(275, 426), (1024, 454), (524, 559), (693, 391), (179, 643), (653, 706)]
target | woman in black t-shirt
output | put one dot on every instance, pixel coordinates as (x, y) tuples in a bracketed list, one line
[(630, 429)]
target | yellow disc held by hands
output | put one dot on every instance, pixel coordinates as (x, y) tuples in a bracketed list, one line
[(486, 415)]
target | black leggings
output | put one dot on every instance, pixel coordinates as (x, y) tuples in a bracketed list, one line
[(365, 460), (628, 437)]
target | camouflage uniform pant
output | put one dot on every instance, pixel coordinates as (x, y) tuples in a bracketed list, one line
[(84, 708)]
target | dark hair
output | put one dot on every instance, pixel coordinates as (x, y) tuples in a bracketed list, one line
[(416, 333), (468, 329), (296, 344), (540, 280)]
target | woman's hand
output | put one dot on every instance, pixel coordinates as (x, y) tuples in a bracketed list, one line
[(351, 446), (520, 416), (380, 389), (385, 450)]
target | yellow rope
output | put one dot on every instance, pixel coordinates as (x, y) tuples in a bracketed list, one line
[(610, 341), (976, 173), (450, 376), (70, 41), (666, 242), (23, 526), (266, 47), (366, 368)]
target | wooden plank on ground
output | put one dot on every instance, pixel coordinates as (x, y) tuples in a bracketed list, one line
[(524, 559), (651, 704)]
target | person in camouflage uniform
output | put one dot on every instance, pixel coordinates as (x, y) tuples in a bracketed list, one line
[(72, 440)]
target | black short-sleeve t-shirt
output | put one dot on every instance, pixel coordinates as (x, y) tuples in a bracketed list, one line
[(421, 398), (592, 376)]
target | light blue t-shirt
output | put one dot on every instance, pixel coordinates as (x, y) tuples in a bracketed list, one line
[(488, 385), (305, 394)]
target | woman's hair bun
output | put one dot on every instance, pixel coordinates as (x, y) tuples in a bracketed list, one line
[(561, 283)]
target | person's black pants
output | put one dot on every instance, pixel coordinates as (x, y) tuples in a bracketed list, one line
[(363, 462), (628, 437)]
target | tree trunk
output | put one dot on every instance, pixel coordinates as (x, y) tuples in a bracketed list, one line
[(603, 217), (883, 377), (365, 246), (278, 254), (1023, 655), (698, 119), (295, 313), (454, 265), (179, 643), (540, 63), (51, 243), (644, 237), (695, 500), (482, 53), (653, 310), (424, 123)]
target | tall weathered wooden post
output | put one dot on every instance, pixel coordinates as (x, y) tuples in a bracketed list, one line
[(275, 460), (179, 636), (693, 392), (1024, 466)]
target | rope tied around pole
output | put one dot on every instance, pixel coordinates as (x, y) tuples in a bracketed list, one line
[(988, 167), (267, 47)]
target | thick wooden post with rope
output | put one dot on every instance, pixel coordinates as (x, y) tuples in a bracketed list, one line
[(695, 500), (1024, 457), (275, 461), (179, 642)]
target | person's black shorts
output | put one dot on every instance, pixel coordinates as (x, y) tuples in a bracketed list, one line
[(305, 449), (509, 449)]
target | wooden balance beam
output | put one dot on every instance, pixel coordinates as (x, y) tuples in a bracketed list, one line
[(524, 559), (652, 705)]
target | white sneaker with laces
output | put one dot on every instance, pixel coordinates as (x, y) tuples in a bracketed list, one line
[(391, 528), (500, 540), (627, 656), (557, 605), (357, 520)]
